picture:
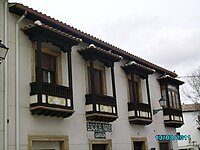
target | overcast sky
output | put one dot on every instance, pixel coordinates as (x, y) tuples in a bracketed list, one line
[(165, 32)]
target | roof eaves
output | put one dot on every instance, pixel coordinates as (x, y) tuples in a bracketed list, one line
[(52, 29), (91, 46), (83, 35)]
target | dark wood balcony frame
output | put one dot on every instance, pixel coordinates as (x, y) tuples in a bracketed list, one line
[(43, 33), (47, 89), (92, 54), (142, 72), (172, 113), (101, 100), (138, 109), (167, 111)]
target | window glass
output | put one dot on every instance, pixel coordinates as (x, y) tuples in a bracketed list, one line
[(177, 100), (48, 65), (173, 97), (134, 84), (98, 79), (98, 146), (48, 62), (170, 99), (164, 145), (163, 92), (138, 145), (48, 76), (131, 90)]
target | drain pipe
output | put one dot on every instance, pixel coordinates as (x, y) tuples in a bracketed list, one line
[(17, 80), (5, 145)]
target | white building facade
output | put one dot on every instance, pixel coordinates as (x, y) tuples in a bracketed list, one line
[(191, 127), (62, 89)]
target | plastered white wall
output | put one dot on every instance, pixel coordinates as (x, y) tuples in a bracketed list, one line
[(189, 128), (75, 126)]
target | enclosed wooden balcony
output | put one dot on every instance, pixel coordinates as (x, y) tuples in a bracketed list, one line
[(173, 117), (101, 108), (139, 113), (51, 100)]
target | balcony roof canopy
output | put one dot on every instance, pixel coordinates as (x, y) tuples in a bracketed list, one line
[(95, 53), (138, 69), (169, 79), (45, 33)]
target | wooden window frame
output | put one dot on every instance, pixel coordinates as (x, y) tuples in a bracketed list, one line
[(173, 101), (139, 90), (64, 142), (99, 66), (107, 142), (174, 95), (139, 139), (52, 52), (48, 70)]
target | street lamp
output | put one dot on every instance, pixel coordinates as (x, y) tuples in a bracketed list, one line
[(3, 52), (162, 103)]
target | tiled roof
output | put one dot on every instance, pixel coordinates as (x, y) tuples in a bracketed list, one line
[(139, 65), (190, 107), (35, 15), (38, 23), (92, 46), (163, 77)]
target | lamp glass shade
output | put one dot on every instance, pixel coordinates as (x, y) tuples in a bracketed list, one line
[(3, 51), (162, 102)]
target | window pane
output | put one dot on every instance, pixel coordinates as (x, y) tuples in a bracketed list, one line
[(48, 62), (134, 89), (89, 80), (137, 91), (164, 146), (173, 99), (48, 76), (98, 79), (177, 100), (170, 99), (139, 145), (131, 90), (98, 147)]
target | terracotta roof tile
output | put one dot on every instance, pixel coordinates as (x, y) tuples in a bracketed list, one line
[(51, 29), (93, 47), (139, 65), (17, 8), (190, 107)]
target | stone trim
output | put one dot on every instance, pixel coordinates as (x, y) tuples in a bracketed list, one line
[(107, 142), (139, 139), (64, 142)]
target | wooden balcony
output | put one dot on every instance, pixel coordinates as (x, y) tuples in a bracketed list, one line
[(101, 108), (173, 117), (51, 100), (139, 113)]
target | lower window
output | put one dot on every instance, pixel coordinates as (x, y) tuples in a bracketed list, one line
[(100, 145), (139, 143), (48, 142), (164, 145)]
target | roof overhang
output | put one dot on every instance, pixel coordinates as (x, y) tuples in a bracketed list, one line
[(45, 33), (34, 15), (95, 53), (138, 69), (169, 79)]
